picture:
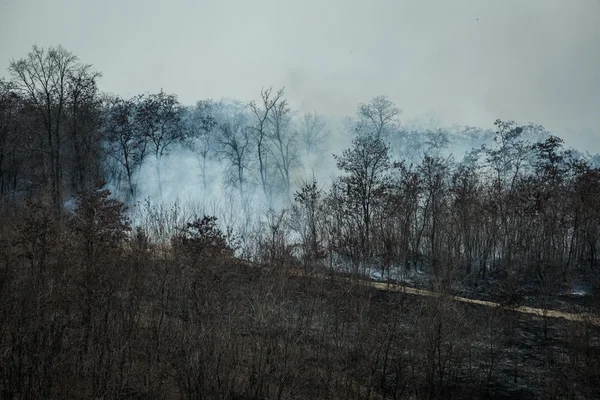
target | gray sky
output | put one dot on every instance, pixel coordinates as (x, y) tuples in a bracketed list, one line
[(468, 62)]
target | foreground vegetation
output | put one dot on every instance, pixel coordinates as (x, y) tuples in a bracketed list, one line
[(86, 314)]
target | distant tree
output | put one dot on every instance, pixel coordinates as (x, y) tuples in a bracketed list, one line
[(313, 132), (594, 160), (47, 78), (436, 141), (433, 175), (262, 113), (159, 118), (234, 137), (471, 138), (379, 117), (83, 108), (11, 146), (534, 133), (365, 180), (200, 135), (467, 211), (99, 223), (203, 238), (308, 206), (283, 144), (504, 169), (409, 145), (507, 157), (126, 144)]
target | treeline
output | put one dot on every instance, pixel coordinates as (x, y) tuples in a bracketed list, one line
[(60, 134), (515, 207), (518, 202)]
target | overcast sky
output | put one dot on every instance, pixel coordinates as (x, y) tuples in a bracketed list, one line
[(465, 61)]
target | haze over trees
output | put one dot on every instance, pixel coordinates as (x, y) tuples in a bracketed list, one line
[(111, 277)]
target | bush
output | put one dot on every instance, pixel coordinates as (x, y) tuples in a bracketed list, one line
[(202, 238)]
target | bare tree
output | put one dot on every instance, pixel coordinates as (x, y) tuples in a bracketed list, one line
[(507, 158), (313, 132), (83, 107), (43, 77), (159, 117), (379, 117), (126, 143), (262, 113), (467, 210), (434, 171), (200, 136), (10, 124), (436, 142), (365, 166), (235, 141), (234, 138), (309, 210), (284, 146)]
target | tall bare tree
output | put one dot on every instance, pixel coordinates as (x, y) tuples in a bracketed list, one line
[(159, 117), (433, 173), (309, 210), (11, 156), (313, 132), (126, 144), (379, 117), (262, 112), (284, 144), (234, 146), (200, 135), (44, 77), (84, 119), (365, 180)]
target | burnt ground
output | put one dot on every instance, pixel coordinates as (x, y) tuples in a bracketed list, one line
[(527, 293), (234, 330), (579, 294), (529, 356), (537, 358)]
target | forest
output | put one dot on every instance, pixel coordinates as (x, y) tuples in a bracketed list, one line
[(238, 249)]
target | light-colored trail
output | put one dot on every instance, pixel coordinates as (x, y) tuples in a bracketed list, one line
[(581, 317), (541, 312)]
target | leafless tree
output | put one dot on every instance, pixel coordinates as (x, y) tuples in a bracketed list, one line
[(234, 138), (201, 137), (125, 141), (11, 146), (433, 173), (309, 210), (83, 109), (283, 144), (44, 77), (262, 112), (313, 132), (365, 166), (159, 118), (379, 117)]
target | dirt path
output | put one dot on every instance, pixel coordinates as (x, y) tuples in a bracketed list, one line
[(579, 317), (593, 319)]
